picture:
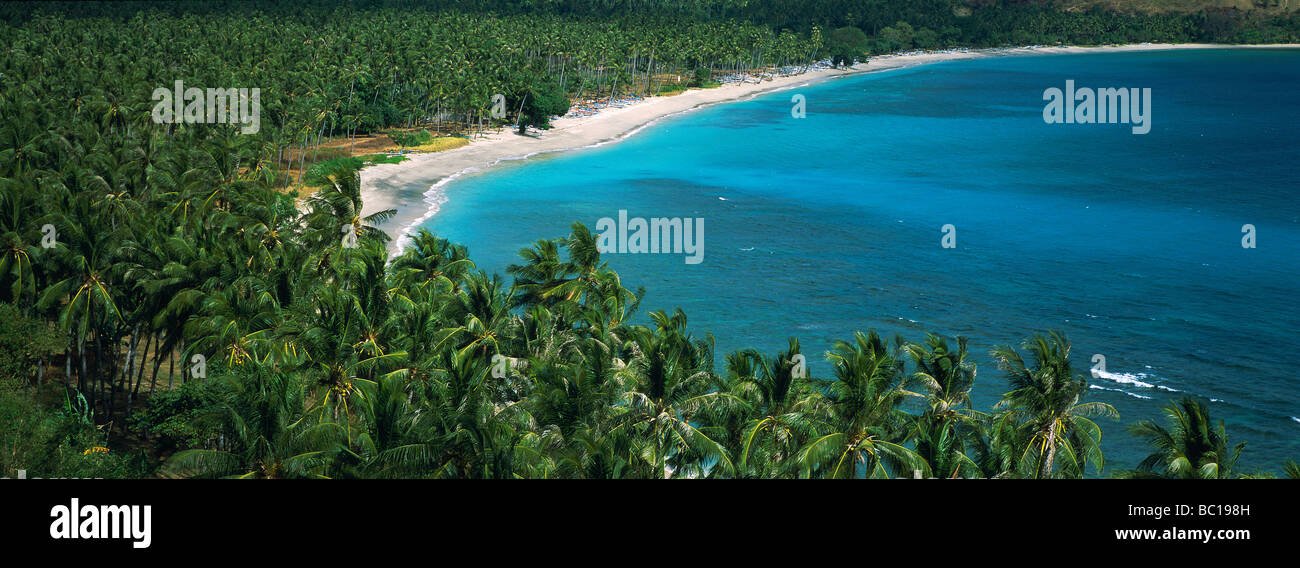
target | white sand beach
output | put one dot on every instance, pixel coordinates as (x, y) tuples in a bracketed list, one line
[(415, 186)]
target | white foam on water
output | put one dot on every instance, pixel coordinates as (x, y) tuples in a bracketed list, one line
[(434, 197), (1134, 395), (1133, 379), (1139, 380)]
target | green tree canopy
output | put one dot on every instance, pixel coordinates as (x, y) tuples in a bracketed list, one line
[(541, 100), (848, 45)]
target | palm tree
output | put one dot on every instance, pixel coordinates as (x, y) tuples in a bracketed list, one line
[(430, 260), (862, 430), (582, 281), (86, 294), (270, 437), (671, 387), (1042, 416), (574, 396), (467, 426), (389, 445), (780, 409), (1291, 470), (18, 239), (949, 427), (335, 212), (1193, 446)]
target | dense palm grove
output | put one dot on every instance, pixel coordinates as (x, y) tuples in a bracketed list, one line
[(168, 309)]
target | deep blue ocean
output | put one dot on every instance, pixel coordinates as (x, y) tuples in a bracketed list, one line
[(820, 226)]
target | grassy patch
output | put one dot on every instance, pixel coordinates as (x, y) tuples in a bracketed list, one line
[(670, 90), (409, 139), (325, 153), (373, 159), (441, 143), (425, 141)]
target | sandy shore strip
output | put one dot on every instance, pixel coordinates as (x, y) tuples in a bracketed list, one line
[(415, 187)]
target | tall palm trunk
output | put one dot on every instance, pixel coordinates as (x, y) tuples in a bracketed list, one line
[(98, 377), (1045, 471), (82, 374), (128, 368), (139, 378), (157, 364), (663, 460), (67, 362)]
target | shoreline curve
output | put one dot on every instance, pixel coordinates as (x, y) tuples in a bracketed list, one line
[(422, 179)]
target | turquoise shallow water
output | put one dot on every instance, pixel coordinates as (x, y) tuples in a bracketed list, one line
[(820, 226)]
